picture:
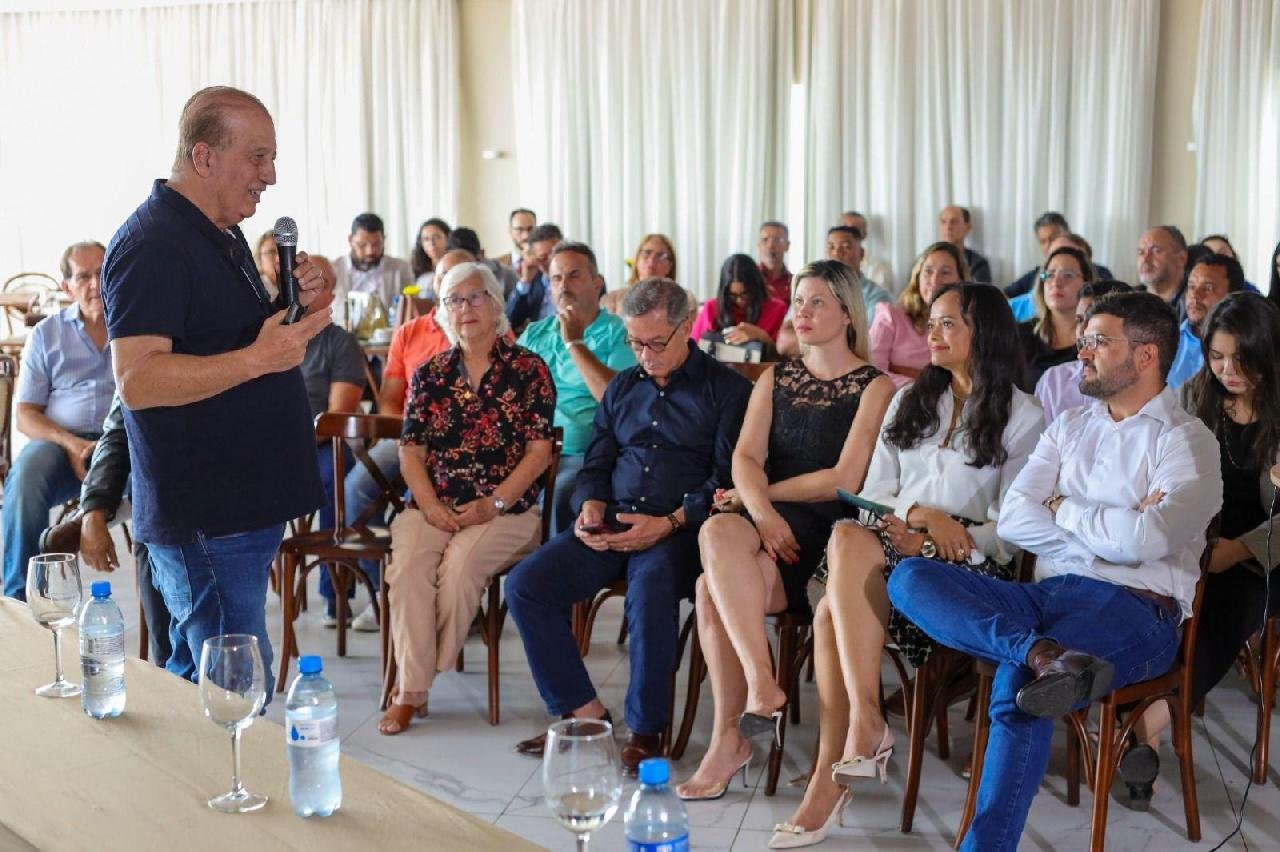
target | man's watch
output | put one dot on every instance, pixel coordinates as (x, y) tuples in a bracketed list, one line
[(928, 548), (500, 505)]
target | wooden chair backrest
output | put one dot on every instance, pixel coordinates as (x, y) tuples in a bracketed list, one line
[(358, 432)]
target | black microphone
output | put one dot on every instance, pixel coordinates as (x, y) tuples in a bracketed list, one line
[(286, 234)]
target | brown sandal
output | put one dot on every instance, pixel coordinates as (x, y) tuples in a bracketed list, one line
[(398, 716)]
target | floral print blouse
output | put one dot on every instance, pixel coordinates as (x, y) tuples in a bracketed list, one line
[(474, 439)]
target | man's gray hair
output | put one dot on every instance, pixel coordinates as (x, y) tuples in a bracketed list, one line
[(465, 272), (656, 294)]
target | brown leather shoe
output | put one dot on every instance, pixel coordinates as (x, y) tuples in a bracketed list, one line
[(639, 747), (61, 538), (534, 746), (1064, 679)]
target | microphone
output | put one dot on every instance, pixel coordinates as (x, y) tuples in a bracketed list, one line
[(286, 234)]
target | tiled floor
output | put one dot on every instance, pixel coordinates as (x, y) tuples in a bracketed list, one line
[(456, 756)]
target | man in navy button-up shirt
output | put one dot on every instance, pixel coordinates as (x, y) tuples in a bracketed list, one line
[(220, 436), (663, 444), (64, 391)]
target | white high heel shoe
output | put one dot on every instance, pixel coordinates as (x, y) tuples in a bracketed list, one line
[(788, 836), (847, 771)]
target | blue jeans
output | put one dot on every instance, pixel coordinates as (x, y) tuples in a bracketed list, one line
[(999, 621), (362, 491), (562, 514), (214, 586), (40, 479), (542, 589)]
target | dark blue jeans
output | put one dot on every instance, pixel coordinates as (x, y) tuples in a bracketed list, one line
[(214, 586), (999, 621), (542, 589), (40, 479), (326, 516)]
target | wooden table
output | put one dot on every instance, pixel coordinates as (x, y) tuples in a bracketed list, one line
[(141, 781), (371, 351)]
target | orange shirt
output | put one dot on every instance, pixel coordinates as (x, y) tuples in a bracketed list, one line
[(413, 344)]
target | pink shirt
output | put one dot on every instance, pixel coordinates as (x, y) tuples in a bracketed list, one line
[(895, 341), (772, 313)]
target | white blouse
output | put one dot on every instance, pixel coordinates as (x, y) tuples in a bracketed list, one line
[(941, 477)]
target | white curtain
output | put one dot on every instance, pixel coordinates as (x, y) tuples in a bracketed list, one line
[(1236, 121), (663, 115), (363, 93), (1008, 107)]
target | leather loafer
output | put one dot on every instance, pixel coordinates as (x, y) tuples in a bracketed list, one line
[(534, 746), (637, 748), (1064, 679), (61, 538)]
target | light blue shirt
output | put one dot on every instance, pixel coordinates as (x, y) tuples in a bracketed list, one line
[(606, 338), (1189, 358), (63, 371), (1023, 307)]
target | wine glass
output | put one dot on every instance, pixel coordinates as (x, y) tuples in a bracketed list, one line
[(232, 692), (580, 775), (53, 594)]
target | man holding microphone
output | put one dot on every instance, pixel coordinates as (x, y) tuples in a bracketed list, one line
[(220, 435)]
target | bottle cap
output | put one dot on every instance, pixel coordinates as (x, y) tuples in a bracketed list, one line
[(310, 664), (100, 589), (655, 770)]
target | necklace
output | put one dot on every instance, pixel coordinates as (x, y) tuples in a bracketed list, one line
[(1225, 439)]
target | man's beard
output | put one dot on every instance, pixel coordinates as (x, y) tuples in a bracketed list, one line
[(1102, 388), (363, 265)]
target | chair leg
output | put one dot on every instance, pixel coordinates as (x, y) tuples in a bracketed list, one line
[(144, 644), (1266, 701), (289, 641), (493, 633), (920, 715), (388, 646), (622, 633), (1186, 766), (697, 671), (981, 704), (1073, 766), (783, 668), (1104, 773), (341, 606)]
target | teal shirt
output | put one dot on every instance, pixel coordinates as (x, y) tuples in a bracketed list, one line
[(606, 337)]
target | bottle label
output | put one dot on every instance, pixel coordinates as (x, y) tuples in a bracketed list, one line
[(311, 733), (679, 844), (108, 647)]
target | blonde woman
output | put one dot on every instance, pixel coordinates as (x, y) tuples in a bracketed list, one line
[(655, 258), (810, 426), (898, 344)]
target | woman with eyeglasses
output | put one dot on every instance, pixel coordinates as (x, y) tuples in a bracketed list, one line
[(898, 342), (655, 258), (1049, 338), (1237, 395), (477, 438), (952, 444), (810, 426), (742, 313)]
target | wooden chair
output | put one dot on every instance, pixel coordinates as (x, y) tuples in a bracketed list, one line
[(493, 609), (8, 380), (1174, 685), (342, 547), (924, 699)]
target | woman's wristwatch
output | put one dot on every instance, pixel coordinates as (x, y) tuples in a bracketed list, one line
[(499, 504), (928, 547)]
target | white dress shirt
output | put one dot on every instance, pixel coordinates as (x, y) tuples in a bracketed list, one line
[(386, 279), (939, 477), (1104, 469)]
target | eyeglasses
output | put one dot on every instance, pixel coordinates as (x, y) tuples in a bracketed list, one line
[(1093, 341), (638, 346), (475, 300), (1066, 276), (660, 256)]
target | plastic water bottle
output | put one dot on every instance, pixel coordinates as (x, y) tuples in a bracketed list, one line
[(102, 654), (656, 820), (311, 730)]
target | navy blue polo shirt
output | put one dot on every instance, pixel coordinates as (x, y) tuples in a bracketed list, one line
[(238, 461)]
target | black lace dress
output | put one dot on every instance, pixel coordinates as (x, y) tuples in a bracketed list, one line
[(811, 420)]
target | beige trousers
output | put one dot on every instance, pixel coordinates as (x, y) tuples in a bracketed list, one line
[(436, 579)]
